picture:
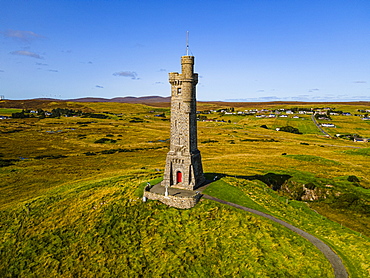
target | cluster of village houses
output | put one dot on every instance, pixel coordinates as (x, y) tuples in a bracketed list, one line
[(283, 113), (320, 113), (31, 112)]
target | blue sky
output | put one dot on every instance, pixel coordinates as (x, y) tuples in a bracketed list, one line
[(251, 50)]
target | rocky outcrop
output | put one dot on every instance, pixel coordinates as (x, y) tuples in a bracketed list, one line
[(307, 192)]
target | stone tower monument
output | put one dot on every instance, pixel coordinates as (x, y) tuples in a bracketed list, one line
[(183, 163)]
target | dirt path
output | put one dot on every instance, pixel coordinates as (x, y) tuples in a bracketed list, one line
[(339, 269)]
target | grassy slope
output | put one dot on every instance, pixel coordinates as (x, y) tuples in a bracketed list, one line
[(36, 181), (351, 246), (101, 229)]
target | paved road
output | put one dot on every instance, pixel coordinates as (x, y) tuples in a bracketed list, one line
[(339, 269), (318, 126)]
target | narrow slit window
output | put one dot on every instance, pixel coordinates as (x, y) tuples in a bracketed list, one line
[(179, 91)]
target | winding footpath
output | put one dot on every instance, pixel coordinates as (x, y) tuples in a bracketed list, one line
[(339, 269)]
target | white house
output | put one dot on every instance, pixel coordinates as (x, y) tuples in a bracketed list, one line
[(361, 140), (328, 125)]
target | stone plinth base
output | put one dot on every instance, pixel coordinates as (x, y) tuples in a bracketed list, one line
[(181, 200)]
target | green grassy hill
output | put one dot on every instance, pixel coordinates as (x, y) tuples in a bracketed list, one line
[(70, 205)]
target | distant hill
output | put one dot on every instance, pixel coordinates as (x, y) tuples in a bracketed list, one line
[(148, 99), (162, 102), (44, 103)]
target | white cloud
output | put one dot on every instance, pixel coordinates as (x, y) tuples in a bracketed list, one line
[(301, 97), (313, 90), (131, 74), (24, 36), (259, 99), (26, 53)]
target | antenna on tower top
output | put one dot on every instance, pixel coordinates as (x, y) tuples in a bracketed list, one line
[(187, 43)]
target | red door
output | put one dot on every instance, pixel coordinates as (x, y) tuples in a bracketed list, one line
[(179, 177)]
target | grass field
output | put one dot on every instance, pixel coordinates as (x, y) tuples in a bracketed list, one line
[(70, 205), (8, 111)]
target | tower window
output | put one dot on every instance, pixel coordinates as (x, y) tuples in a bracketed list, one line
[(179, 91)]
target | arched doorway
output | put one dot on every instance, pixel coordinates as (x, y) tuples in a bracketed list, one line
[(178, 177)]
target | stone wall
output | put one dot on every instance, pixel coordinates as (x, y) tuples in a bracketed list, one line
[(174, 201)]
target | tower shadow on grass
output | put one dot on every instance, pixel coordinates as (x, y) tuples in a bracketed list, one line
[(272, 180)]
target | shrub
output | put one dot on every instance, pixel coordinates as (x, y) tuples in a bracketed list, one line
[(275, 181), (90, 153), (6, 162), (310, 185), (20, 115), (12, 131), (50, 156), (346, 200), (209, 141), (136, 120), (108, 151), (95, 116), (353, 179), (81, 123), (105, 140), (290, 129)]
